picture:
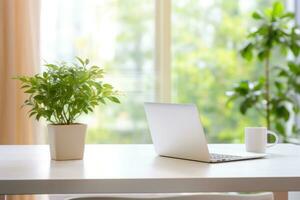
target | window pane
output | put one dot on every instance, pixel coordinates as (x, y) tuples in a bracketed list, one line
[(115, 34), (206, 36)]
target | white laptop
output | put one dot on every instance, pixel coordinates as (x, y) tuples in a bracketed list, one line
[(177, 132)]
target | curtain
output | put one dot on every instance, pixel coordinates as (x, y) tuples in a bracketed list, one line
[(19, 55)]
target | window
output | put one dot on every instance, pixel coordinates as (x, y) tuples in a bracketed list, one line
[(205, 42), (120, 36)]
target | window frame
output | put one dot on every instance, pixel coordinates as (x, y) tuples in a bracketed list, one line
[(162, 62)]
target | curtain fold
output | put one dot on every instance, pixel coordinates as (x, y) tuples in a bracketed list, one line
[(19, 55)]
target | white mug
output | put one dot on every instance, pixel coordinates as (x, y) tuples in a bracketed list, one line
[(256, 139)]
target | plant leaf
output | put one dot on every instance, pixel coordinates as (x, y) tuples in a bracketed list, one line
[(278, 9), (257, 15)]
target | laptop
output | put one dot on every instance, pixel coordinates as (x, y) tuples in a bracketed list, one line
[(177, 132)]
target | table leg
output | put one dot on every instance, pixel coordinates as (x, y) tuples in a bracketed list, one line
[(281, 196)]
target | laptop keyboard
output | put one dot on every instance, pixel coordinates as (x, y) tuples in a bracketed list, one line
[(223, 157)]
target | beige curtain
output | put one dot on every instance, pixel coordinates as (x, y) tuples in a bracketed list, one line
[(19, 55)]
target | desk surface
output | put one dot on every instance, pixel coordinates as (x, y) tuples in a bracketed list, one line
[(136, 168)]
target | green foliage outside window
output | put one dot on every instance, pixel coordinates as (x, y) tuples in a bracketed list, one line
[(206, 37)]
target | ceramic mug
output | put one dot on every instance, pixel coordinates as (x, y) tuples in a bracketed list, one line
[(256, 139)]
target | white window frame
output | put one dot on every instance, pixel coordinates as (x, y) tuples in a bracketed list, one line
[(163, 50), (297, 10)]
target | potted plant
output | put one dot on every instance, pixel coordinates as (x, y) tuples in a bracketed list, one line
[(61, 94), (276, 92)]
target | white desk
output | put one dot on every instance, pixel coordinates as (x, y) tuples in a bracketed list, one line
[(137, 169)]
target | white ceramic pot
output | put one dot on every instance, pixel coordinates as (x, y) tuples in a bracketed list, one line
[(67, 141)]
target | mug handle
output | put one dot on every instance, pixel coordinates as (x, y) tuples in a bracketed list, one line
[(276, 138)]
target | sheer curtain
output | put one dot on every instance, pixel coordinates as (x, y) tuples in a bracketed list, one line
[(19, 55)]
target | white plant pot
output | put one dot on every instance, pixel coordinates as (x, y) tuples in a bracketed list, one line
[(67, 141)]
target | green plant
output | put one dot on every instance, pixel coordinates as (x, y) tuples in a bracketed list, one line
[(274, 93), (66, 90)]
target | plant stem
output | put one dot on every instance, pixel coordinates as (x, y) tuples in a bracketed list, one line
[(64, 116), (267, 88)]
